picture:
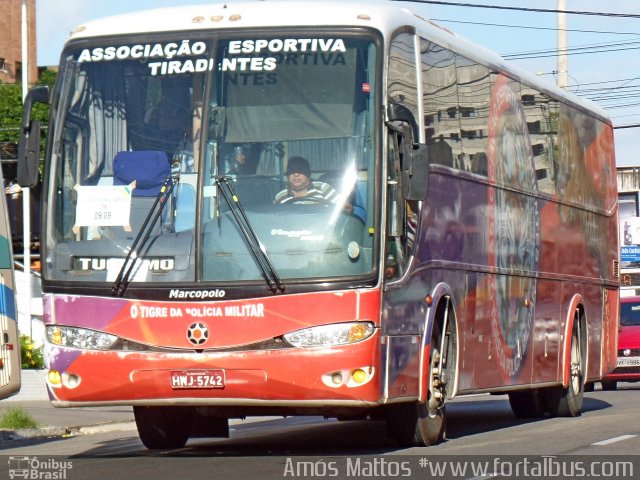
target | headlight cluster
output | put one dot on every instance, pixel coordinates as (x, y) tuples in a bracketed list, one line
[(79, 338), (330, 335)]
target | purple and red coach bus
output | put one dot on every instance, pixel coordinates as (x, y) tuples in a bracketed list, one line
[(456, 233)]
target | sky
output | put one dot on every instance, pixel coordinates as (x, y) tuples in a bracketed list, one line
[(604, 64)]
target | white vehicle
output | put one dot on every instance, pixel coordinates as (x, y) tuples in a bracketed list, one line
[(9, 342)]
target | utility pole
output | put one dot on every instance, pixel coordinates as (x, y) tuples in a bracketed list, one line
[(26, 192), (563, 64)]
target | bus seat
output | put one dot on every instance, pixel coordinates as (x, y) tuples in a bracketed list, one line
[(149, 169), (252, 191), (359, 205)]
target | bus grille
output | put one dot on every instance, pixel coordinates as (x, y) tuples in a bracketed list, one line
[(277, 343), (626, 370), (635, 352)]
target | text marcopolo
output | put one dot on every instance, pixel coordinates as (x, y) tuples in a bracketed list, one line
[(198, 294)]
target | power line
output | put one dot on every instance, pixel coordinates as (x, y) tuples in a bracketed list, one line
[(615, 88), (530, 27), (625, 116), (524, 9), (588, 49), (610, 81), (579, 47), (530, 56)]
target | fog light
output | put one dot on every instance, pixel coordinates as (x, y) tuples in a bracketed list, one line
[(54, 378), (359, 375), (70, 380), (350, 378), (334, 379)]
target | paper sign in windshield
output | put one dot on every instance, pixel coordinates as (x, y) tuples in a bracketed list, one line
[(103, 206)]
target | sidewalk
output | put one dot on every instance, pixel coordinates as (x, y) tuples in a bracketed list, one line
[(67, 421), (56, 422), (34, 400)]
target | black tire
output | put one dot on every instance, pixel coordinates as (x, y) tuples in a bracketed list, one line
[(415, 423), (609, 385), (527, 403), (431, 426), (431, 414), (163, 427), (567, 402), (589, 387)]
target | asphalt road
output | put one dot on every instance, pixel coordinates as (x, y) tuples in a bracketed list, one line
[(481, 431)]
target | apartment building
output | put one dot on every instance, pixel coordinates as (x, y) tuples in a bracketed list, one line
[(11, 66)]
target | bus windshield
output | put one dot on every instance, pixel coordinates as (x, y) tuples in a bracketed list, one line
[(215, 154), (630, 314)]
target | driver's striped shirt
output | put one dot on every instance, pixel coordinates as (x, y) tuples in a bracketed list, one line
[(318, 190)]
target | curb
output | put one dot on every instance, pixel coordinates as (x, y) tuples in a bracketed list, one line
[(44, 432), (128, 426)]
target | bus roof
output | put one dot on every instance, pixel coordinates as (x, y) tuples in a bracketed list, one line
[(380, 15), (252, 14)]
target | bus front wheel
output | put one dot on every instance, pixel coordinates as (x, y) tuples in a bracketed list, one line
[(432, 413), (163, 427), (422, 423)]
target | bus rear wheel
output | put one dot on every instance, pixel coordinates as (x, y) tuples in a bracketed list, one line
[(567, 402), (163, 427)]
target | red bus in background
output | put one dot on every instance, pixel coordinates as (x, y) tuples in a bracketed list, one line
[(628, 362)]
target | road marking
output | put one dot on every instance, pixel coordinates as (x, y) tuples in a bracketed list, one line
[(614, 440)]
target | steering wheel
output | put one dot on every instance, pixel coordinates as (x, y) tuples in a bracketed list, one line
[(318, 200)]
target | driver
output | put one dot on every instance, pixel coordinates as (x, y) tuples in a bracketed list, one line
[(301, 186)]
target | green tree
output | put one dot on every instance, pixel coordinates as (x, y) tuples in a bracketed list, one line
[(31, 355), (11, 113)]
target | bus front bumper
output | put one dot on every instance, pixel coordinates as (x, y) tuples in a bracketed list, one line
[(344, 375)]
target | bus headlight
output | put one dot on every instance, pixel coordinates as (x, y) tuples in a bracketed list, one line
[(79, 338), (330, 335)]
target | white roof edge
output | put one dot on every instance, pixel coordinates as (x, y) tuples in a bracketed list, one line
[(254, 14), (381, 15)]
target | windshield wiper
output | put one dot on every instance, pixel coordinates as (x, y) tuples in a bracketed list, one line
[(274, 283), (124, 275)]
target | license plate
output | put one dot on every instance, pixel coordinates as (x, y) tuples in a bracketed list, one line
[(628, 362), (196, 379)]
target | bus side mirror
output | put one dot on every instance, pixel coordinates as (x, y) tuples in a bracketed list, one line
[(415, 174), (29, 145), (415, 156), (400, 113)]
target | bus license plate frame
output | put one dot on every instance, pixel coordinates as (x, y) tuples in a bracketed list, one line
[(197, 379), (628, 362)]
